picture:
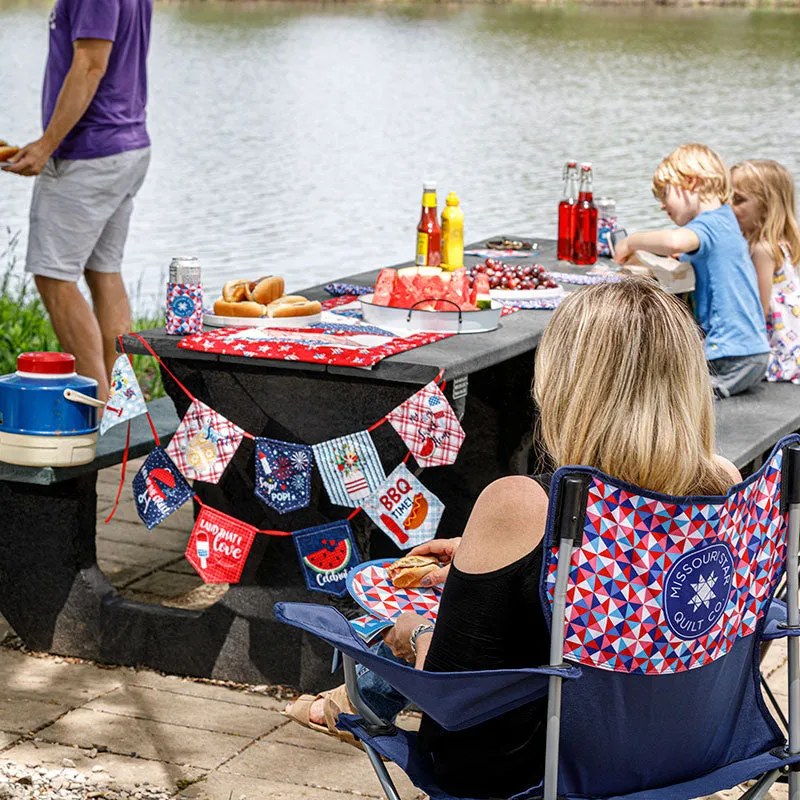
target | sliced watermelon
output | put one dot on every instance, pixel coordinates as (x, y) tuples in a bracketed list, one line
[(328, 561), (404, 294), (482, 292), (384, 287)]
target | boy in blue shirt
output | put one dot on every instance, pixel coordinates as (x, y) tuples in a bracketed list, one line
[(693, 186)]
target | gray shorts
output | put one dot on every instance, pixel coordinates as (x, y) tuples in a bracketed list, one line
[(80, 211), (735, 374)]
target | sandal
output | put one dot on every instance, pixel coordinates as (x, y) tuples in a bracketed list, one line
[(336, 702)]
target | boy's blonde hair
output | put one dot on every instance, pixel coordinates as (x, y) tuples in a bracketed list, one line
[(772, 186), (622, 385), (694, 161)]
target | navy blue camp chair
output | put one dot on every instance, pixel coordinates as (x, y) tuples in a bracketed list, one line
[(653, 684)]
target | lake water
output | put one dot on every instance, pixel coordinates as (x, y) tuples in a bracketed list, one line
[(293, 139)]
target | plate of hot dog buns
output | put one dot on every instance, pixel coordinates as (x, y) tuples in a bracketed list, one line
[(7, 152), (261, 303)]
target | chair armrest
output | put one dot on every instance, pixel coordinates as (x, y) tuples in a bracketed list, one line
[(775, 626)]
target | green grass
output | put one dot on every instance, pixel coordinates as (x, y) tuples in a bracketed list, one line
[(25, 326)]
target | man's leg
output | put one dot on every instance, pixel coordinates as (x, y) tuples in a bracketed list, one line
[(76, 327), (112, 310)]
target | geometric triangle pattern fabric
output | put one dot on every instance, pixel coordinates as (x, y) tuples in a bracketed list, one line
[(662, 584)]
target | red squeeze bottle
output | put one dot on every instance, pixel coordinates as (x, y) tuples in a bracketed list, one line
[(566, 211), (584, 251), (429, 232)]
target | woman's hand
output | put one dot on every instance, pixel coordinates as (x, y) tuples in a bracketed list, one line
[(623, 250), (398, 637), (445, 551)]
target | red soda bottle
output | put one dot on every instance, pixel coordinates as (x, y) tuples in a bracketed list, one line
[(566, 211), (584, 249), (429, 232)]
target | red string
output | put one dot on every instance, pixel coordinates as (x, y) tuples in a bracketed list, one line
[(354, 513), (165, 367), (146, 412), (408, 455), (439, 377), (377, 424), (122, 475), (443, 386), (275, 533)]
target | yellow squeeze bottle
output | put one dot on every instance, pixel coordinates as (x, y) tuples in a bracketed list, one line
[(452, 234)]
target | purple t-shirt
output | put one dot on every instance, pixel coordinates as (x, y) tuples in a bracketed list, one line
[(116, 118)]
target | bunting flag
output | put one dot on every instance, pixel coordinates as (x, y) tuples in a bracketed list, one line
[(218, 546), (350, 467), (125, 398), (204, 443), (404, 509), (159, 489), (327, 552), (429, 427), (283, 474)]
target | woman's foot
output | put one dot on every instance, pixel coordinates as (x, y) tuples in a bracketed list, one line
[(320, 713), (316, 713)]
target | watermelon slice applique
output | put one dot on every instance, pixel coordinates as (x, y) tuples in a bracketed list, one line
[(327, 553)]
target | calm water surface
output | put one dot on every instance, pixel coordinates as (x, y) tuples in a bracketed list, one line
[(294, 139)]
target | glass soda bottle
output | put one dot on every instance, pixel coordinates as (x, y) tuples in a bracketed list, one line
[(584, 249), (429, 232), (566, 211)]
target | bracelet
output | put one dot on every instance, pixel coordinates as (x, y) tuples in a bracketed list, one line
[(416, 633)]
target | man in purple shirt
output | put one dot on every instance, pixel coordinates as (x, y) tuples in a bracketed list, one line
[(90, 162)]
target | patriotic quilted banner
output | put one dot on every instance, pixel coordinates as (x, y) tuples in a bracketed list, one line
[(218, 546), (659, 585), (429, 427), (350, 467), (404, 509), (125, 398), (159, 489), (204, 443), (283, 474), (327, 552)]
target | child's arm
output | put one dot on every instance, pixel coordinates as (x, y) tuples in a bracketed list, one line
[(662, 243), (765, 270)]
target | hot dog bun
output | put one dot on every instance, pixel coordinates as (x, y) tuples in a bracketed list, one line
[(6, 151), (265, 290), (293, 306), (408, 571), (234, 291), (245, 308)]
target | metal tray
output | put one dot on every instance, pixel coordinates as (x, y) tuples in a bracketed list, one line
[(455, 321)]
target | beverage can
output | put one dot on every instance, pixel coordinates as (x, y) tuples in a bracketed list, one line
[(184, 311), (184, 269)]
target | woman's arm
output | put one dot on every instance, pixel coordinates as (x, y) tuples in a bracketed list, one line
[(765, 271)]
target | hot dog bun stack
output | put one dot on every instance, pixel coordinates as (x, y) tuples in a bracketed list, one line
[(263, 297), (407, 572), (7, 151)]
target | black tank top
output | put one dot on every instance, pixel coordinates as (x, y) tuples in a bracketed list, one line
[(491, 620)]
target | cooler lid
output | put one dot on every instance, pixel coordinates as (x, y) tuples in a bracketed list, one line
[(46, 363)]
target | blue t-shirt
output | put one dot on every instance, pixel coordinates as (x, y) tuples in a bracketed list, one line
[(727, 302)]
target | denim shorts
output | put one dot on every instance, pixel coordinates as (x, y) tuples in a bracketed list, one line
[(734, 374)]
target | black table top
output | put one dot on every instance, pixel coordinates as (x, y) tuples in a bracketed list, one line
[(457, 355)]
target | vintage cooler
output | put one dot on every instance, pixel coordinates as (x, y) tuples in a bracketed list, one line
[(40, 425)]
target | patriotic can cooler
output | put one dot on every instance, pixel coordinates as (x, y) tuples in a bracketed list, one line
[(184, 308)]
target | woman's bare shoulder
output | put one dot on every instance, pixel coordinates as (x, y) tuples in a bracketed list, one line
[(729, 467)]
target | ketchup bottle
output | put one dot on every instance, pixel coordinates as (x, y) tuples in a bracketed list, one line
[(429, 232), (584, 249), (566, 211)]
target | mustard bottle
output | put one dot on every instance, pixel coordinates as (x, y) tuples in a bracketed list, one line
[(452, 234)]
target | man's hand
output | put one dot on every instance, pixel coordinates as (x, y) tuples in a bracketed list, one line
[(444, 550), (31, 159), (398, 637)]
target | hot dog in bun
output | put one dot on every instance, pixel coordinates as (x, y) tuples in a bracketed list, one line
[(293, 306), (245, 308), (265, 290), (6, 151), (407, 572)]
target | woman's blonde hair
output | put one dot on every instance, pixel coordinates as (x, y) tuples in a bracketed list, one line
[(622, 385), (693, 162), (772, 186)]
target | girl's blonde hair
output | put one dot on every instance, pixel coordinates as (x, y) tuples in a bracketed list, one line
[(772, 186), (622, 385), (698, 162)]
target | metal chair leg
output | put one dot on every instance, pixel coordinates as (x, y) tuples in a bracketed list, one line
[(774, 702), (761, 787)]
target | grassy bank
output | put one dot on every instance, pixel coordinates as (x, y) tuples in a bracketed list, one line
[(24, 324)]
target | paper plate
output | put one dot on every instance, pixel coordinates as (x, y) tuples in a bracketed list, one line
[(431, 321), (216, 321), (373, 591), (526, 294)]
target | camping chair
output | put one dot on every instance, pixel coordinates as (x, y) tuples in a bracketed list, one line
[(653, 683)]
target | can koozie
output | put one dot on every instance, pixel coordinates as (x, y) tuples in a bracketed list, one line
[(404, 509), (218, 546), (283, 474), (350, 467), (184, 313), (327, 552), (125, 398), (429, 427), (159, 489)]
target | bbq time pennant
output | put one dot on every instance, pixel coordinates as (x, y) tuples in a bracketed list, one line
[(219, 545), (283, 474), (404, 509), (204, 443), (327, 552), (429, 427), (125, 398), (350, 467), (159, 489)]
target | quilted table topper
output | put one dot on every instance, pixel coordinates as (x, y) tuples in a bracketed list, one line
[(204, 443)]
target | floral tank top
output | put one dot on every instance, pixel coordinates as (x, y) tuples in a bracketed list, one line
[(783, 323)]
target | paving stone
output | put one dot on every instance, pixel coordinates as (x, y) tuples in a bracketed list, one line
[(183, 567), (133, 554), (167, 584), (340, 772), (137, 533), (158, 740), (118, 771), (121, 574), (7, 738), (21, 714), (181, 520), (184, 709)]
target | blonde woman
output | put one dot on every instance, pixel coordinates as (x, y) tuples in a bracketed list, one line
[(764, 204), (622, 385)]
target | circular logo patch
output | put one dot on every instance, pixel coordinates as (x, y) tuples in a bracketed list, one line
[(183, 306), (696, 590)]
